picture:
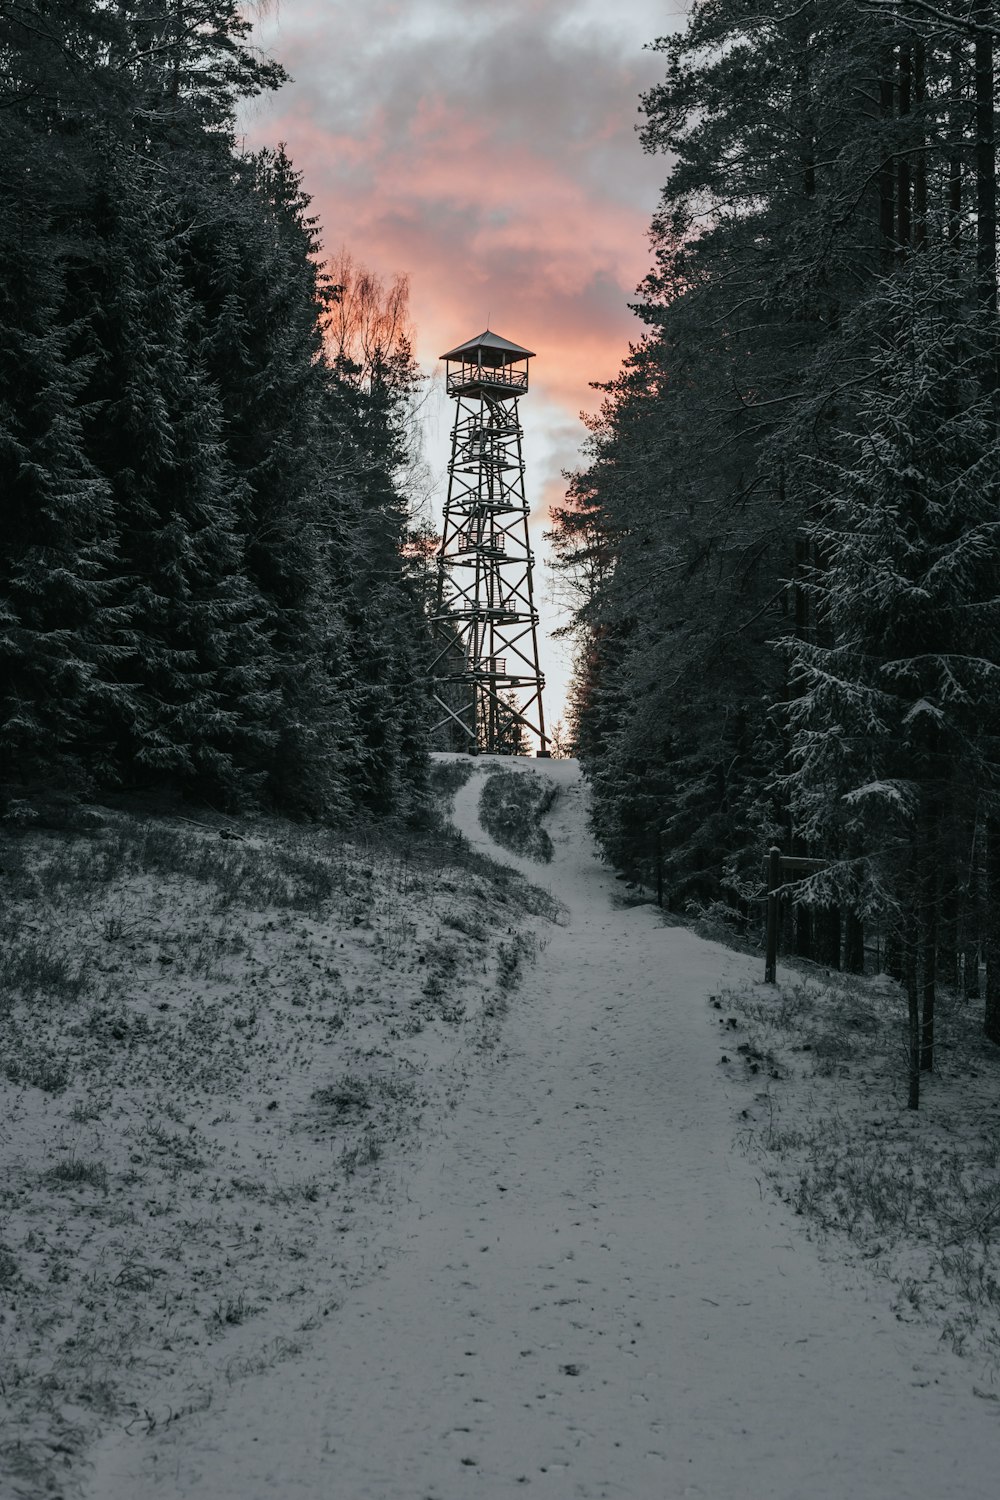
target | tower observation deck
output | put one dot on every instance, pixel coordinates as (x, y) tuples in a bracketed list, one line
[(485, 679)]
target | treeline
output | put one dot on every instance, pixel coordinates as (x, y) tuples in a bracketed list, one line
[(786, 546), (201, 435)]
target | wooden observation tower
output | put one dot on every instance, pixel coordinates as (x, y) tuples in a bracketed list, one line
[(485, 675)]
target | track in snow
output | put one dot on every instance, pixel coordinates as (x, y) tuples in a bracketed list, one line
[(593, 1295)]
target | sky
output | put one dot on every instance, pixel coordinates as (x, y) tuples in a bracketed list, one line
[(486, 149)]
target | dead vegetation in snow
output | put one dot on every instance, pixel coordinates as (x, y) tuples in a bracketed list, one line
[(512, 805), (449, 773)]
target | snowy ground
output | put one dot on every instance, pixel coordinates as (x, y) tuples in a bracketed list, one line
[(914, 1195), (578, 1288), (215, 1056)]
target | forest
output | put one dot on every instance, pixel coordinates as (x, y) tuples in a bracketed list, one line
[(203, 429), (784, 548), (414, 1124)]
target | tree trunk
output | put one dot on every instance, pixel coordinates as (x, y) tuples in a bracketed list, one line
[(947, 953), (803, 931), (970, 968), (928, 984), (986, 164), (986, 190), (803, 914), (986, 267), (892, 961), (903, 173), (807, 143), (909, 953), (175, 68), (927, 918), (955, 148), (920, 161), (827, 936), (786, 924), (854, 943), (886, 175), (991, 1019)]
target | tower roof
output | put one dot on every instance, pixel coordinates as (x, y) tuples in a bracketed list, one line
[(502, 350)]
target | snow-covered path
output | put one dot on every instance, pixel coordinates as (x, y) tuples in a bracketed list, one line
[(591, 1294)]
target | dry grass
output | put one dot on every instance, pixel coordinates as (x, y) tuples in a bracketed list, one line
[(917, 1195)]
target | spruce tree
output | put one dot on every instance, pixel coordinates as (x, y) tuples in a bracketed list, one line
[(894, 717), (199, 660), (60, 631)]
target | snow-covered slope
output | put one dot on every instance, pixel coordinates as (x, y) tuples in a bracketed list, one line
[(592, 1295)]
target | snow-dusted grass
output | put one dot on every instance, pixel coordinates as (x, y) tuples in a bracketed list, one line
[(916, 1194), (449, 773), (216, 1044), (512, 805)]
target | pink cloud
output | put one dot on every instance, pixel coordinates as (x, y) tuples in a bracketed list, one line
[(479, 164)]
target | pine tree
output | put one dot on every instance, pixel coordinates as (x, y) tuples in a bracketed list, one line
[(199, 661), (894, 715), (812, 149), (251, 270), (58, 622), (202, 583), (375, 376), (191, 62)]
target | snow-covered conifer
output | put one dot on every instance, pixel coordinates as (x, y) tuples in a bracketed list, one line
[(895, 698)]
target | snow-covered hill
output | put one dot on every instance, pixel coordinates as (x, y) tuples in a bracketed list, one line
[(580, 1289), (219, 1045)]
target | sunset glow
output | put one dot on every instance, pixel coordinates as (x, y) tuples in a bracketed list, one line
[(488, 153)]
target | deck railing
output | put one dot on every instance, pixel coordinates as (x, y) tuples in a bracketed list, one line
[(503, 375)]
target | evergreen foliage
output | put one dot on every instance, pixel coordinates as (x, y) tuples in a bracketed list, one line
[(201, 582), (784, 544)]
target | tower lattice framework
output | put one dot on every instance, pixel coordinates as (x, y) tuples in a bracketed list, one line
[(486, 679)]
